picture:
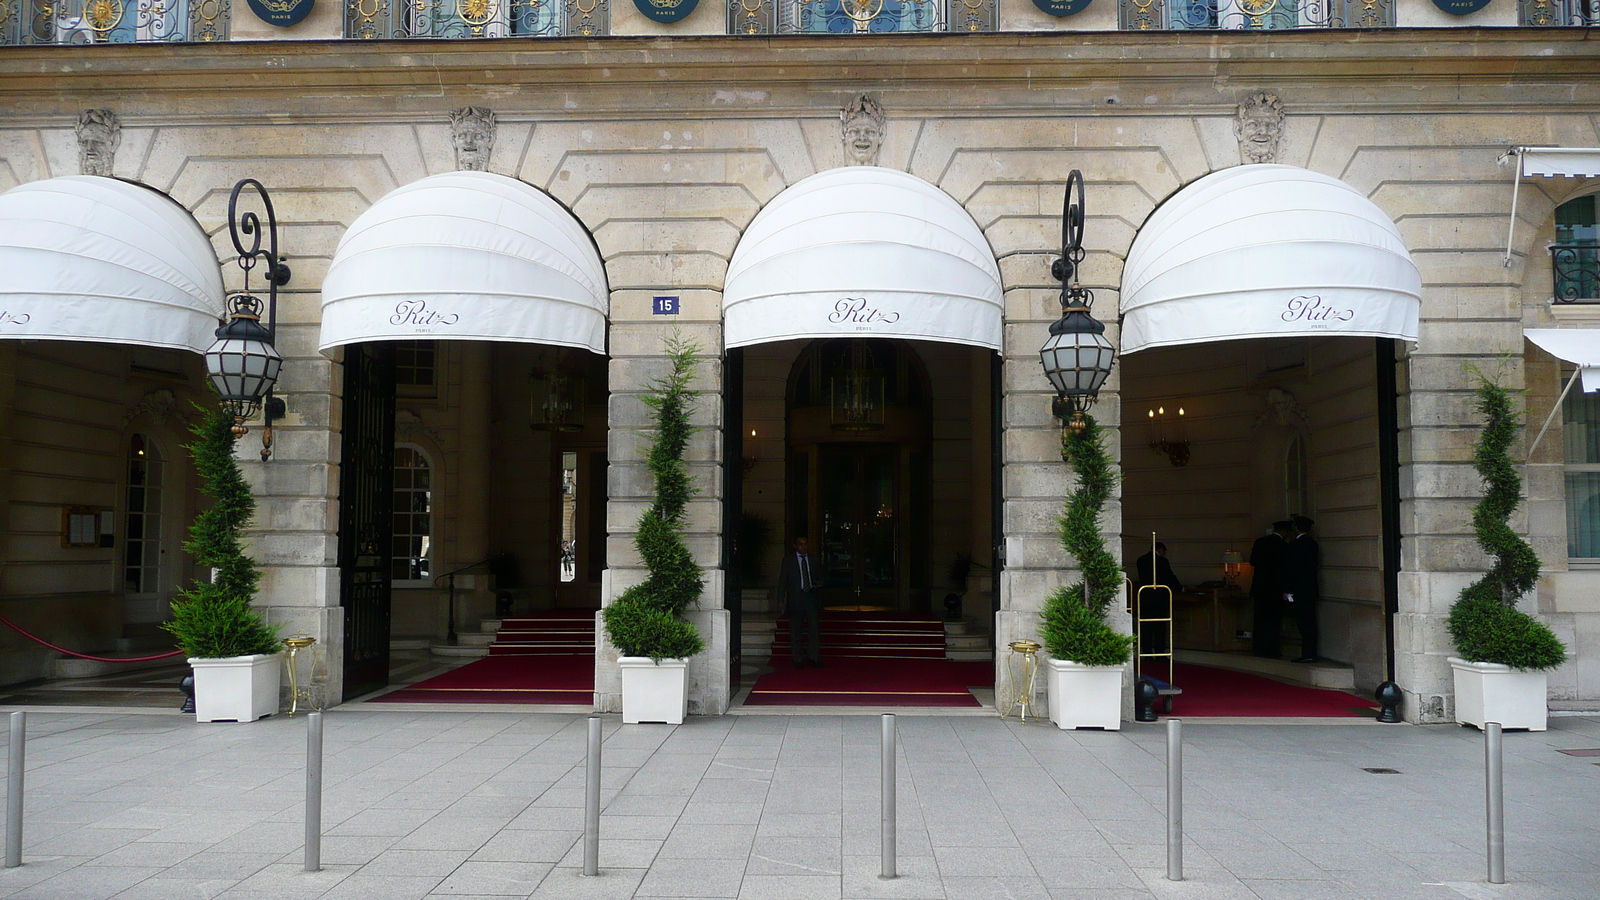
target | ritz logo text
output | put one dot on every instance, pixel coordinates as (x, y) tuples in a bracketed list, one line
[(855, 311), (1315, 313), (417, 314)]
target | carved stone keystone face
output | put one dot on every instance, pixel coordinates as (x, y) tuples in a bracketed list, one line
[(862, 123), (99, 135), (1259, 128), (472, 133)]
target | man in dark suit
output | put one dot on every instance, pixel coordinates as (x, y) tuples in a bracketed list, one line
[(798, 580), (1153, 604), (1305, 559), (1269, 557)]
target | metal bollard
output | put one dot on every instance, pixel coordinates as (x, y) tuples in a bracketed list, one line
[(1495, 801), (887, 811), (15, 762), (591, 802), (314, 792), (1174, 800)]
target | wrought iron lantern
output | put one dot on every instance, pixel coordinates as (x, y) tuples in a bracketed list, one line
[(555, 401), (243, 364), (858, 391), (1077, 358)]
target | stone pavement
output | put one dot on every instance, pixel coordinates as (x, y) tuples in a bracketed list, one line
[(464, 804)]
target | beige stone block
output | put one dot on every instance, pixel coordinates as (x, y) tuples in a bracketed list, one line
[(637, 373), (299, 586), (311, 549), (25, 160), (706, 550), (701, 516), (668, 235), (1032, 551), (1050, 479), (649, 339), (668, 273), (601, 203), (1026, 589)]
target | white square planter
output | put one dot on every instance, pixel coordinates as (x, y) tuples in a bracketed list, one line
[(654, 692), (1085, 696), (1490, 692), (236, 688)]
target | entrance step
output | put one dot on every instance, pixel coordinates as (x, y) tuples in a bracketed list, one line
[(966, 642), (875, 634), (458, 651), (408, 644), (555, 632), (756, 632), (1323, 674)]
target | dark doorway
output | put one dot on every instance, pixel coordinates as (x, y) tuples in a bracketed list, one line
[(366, 485), (861, 523)]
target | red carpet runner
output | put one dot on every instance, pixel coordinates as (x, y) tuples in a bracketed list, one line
[(1209, 691), (845, 681), (507, 679)]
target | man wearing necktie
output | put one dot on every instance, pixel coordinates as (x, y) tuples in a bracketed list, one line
[(797, 591)]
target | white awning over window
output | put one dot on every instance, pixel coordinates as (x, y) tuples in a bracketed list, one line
[(1579, 346), (1267, 251), (85, 258), (1561, 162), (466, 256), (863, 251)]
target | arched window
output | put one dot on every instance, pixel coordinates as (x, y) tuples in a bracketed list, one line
[(1575, 256), (413, 515), (1296, 499), (141, 557)]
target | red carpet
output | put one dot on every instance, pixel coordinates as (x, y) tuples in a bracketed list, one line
[(846, 681), (870, 634), (507, 679), (1209, 691)]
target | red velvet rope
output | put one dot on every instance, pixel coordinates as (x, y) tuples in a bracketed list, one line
[(126, 659)]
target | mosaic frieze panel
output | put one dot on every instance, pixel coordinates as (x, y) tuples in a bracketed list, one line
[(455, 19), (1253, 15)]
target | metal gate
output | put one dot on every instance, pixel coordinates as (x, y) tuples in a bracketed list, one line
[(366, 520)]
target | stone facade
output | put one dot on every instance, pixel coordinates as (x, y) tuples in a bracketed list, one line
[(666, 149)]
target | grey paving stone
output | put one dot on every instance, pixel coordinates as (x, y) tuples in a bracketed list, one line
[(162, 888), (917, 878), (495, 878), (87, 883), (140, 853), (620, 853), (701, 841), (528, 846), (639, 827), (790, 887), (396, 861), (383, 887), (693, 878), (572, 884)]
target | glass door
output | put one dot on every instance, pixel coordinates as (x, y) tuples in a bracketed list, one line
[(860, 523)]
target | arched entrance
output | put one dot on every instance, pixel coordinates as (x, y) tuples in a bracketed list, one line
[(471, 311), (109, 294), (1261, 306), (862, 315)]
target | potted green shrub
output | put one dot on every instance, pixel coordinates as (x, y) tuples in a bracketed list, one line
[(1500, 675), (236, 656), (1088, 656), (646, 622)]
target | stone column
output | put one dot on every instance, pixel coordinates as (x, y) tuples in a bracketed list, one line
[(638, 348)]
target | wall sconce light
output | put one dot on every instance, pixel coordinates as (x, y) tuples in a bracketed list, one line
[(1232, 565), (1175, 449)]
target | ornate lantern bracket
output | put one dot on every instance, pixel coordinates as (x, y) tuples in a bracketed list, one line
[(243, 364), (1077, 358)]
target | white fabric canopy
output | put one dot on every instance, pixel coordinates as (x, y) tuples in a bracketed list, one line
[(466, 256), (85, 258), (1580, 346), (1267, 251), (1561, 162), (863, 251)]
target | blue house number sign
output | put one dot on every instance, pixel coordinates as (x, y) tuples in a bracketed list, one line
[(665, 306)]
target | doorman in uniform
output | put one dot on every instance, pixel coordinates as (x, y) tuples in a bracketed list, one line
[(1305, 561), (1269, 558), (797, 591)]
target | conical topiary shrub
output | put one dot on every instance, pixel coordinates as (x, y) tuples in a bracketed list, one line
[(214, 620), (1485, 622), (647, 620)]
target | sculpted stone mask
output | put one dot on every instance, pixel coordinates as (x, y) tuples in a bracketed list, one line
[(1258, 128), (472, 132), (98, 137), (862, 138)]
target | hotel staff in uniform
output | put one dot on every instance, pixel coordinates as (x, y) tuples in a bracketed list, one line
[(797, 591)]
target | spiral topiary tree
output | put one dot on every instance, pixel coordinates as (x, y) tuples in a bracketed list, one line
[(1485, 622), (647, 620), (1074, 626), (214, 620)]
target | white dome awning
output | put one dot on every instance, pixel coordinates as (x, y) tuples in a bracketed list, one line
[(863, 251), (466, 256), (87, 258), (1267, 251)]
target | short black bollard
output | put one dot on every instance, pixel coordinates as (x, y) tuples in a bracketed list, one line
[(15, 763), (1389, 698), (1145, 695), (187, 687)]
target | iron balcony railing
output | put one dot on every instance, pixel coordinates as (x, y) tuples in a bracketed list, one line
[(861, 16), (1558, 13), (372, 19), (1577, 272), (112, 21), (1252, 15)]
